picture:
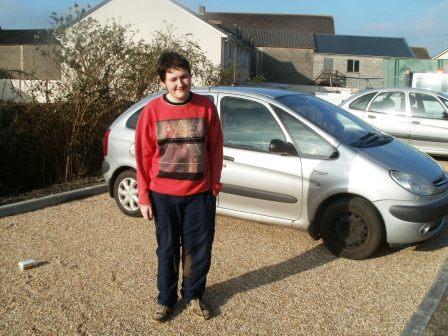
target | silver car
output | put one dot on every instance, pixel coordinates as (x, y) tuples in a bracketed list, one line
[(419, 117), (292, 159)]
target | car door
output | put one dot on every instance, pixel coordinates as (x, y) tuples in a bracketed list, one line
[(429, 129), (255, 180), (387, 111)]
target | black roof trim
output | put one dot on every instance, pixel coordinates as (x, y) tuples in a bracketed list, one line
[(27, 36)]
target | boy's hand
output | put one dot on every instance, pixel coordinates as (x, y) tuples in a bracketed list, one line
[(146, 211)]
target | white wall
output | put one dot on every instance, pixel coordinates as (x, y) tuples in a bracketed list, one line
[(369, 67), (148, 16), (17, 90)]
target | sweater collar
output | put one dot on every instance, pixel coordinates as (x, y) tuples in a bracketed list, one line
[(165, 98)]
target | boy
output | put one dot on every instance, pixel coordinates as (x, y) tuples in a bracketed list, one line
[(178, 148)]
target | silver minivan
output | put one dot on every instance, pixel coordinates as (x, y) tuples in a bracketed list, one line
[(292, 159), (418, 117)]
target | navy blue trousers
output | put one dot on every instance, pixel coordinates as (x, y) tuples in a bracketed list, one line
[(183, 224)]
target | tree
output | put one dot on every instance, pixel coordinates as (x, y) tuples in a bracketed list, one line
[(104, 70)]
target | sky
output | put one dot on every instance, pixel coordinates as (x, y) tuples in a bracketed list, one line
[(423, 23)]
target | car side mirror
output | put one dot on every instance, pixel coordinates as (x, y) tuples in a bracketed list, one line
[(335, 154), (281, 147), (445, 115)]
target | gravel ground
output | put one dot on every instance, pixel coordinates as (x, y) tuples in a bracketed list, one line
[(100, 270)]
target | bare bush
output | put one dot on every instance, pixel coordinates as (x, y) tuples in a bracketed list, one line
[(104, 69)]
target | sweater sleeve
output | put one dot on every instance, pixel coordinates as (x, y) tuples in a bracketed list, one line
[(144, 151), (214, 146)]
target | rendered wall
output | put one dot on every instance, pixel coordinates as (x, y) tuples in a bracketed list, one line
[(149, 16)]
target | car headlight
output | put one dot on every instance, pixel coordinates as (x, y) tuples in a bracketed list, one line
[(412, 183)]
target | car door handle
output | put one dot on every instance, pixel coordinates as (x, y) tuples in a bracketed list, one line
[(415, 122), (371, 116), (227, 158)]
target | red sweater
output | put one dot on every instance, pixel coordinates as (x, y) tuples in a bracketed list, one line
[(178, 148)]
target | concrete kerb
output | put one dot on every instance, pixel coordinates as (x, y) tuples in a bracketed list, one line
[(420, 319), (55, 199)]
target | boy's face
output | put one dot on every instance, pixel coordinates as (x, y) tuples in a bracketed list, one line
[(178, 84)]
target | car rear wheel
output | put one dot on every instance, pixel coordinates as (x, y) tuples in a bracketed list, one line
[(352, 228), (125, 193)]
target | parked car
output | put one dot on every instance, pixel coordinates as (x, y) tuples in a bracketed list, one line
[(418, 117), (295, 160)]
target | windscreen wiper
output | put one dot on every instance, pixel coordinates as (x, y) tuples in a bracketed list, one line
[(366, 139)]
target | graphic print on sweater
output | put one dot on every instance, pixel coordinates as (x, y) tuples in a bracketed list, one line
[(181, 146)]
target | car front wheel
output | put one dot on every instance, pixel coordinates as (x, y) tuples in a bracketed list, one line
[(125, 193), (352, 228)]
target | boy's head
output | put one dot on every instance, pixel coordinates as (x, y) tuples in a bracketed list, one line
[(170, 60), (175, 74)]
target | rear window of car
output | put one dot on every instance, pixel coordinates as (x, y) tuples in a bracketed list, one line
[(133, 119), (444, 100), (362, 102)]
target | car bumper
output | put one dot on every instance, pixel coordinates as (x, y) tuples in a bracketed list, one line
[(106, 169), (410, 222), (423, 212)]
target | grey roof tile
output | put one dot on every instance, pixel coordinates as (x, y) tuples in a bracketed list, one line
[(286, 22), (362, 45), (279, 38)]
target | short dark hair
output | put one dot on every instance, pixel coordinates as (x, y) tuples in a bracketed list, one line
[(171, 60)]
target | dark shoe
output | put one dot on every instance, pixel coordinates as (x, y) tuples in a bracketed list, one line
[(161, 313), (198, 308)]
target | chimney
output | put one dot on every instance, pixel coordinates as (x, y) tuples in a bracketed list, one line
[(201, 10)]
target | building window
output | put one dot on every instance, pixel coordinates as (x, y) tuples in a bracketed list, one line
[(328, 64), (352, 66)]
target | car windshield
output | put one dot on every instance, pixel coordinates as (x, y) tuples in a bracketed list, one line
[(335, 121)]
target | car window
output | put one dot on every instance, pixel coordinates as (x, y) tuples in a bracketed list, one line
[(133, 119), (444, 101), (334, 120), (425, 106), (389, 102), (362, 102), (306, 141), (248, 124)]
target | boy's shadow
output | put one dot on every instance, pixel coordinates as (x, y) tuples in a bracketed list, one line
[(218, 294)]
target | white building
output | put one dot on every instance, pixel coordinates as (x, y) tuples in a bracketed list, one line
[(148, 16)]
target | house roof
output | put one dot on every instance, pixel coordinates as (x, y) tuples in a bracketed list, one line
[(279, 38), (362, 45), (421, 52), (26, 36), (440, 54), (285, 22)]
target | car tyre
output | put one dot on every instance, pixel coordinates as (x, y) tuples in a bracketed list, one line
[(352, 228), (125, 193)]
